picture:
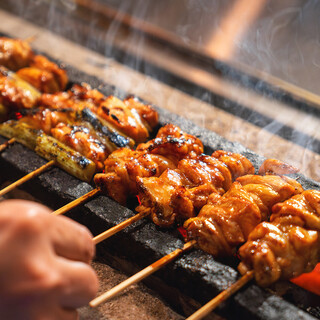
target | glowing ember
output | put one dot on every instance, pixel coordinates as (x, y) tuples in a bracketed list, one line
[(18, 115), (183, 232)]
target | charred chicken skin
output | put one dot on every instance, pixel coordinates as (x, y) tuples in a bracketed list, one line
[(83, 140), (130, 116), (226, 221), (123, 166), (289, 244), (80, 130), (14, 53), (179, 194), (173, 143)]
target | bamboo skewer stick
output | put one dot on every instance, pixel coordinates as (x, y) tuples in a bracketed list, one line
[(6, 144), (110, 232), (141, 274), (224, 295), (76, 202), (27, 177)]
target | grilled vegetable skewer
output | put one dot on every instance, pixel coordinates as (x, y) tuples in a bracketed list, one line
[(50, 149)]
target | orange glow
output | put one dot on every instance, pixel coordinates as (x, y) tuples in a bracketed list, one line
[(233, 27), (310, 281)]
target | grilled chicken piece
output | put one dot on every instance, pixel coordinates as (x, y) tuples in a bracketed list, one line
[(226, 221), (148, 115), (72, 128), (274, 166), (195, 179), (128, 121), (14, 53), (16, 93), (289, 244), (123, 167), (83, 140), (44, 75), (46, 119), (130, 117), (173, 143)]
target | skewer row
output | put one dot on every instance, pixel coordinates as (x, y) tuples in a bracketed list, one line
[(145, 272)]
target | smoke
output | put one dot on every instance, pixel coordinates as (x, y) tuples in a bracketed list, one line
[(282, 39)]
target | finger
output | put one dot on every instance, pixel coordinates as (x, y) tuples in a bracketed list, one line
[(80, 283), (71, 240)]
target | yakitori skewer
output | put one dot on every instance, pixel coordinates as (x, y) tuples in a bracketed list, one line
[(282, 189), (76, 202), (222, 296), (142, 274), (26, 178), (7, 144), (283, 248)]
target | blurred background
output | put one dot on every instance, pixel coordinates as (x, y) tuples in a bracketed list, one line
[(249, 64)]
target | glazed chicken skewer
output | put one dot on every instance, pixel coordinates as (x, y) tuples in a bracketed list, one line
[(226, 221), (79, 129), (123, 166), (281, 249), (180, 193), (35, 74), (244, 166), (255, 200)]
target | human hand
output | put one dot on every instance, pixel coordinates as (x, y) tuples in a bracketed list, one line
[(44, 264)]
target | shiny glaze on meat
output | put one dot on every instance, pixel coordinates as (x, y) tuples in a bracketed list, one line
[(14, 53), (289, 244), (128, 121), (44, 75), (82, 140), (14, 96), (148, 115), (226, 221), (195, 179), (123, 167), (173, 143), (130, 117)]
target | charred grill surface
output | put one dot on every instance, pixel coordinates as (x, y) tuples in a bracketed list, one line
[(196, 275)]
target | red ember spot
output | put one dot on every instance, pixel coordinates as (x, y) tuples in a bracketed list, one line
[(183, 232), (310, 281), (139, 200), (18, 115)]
